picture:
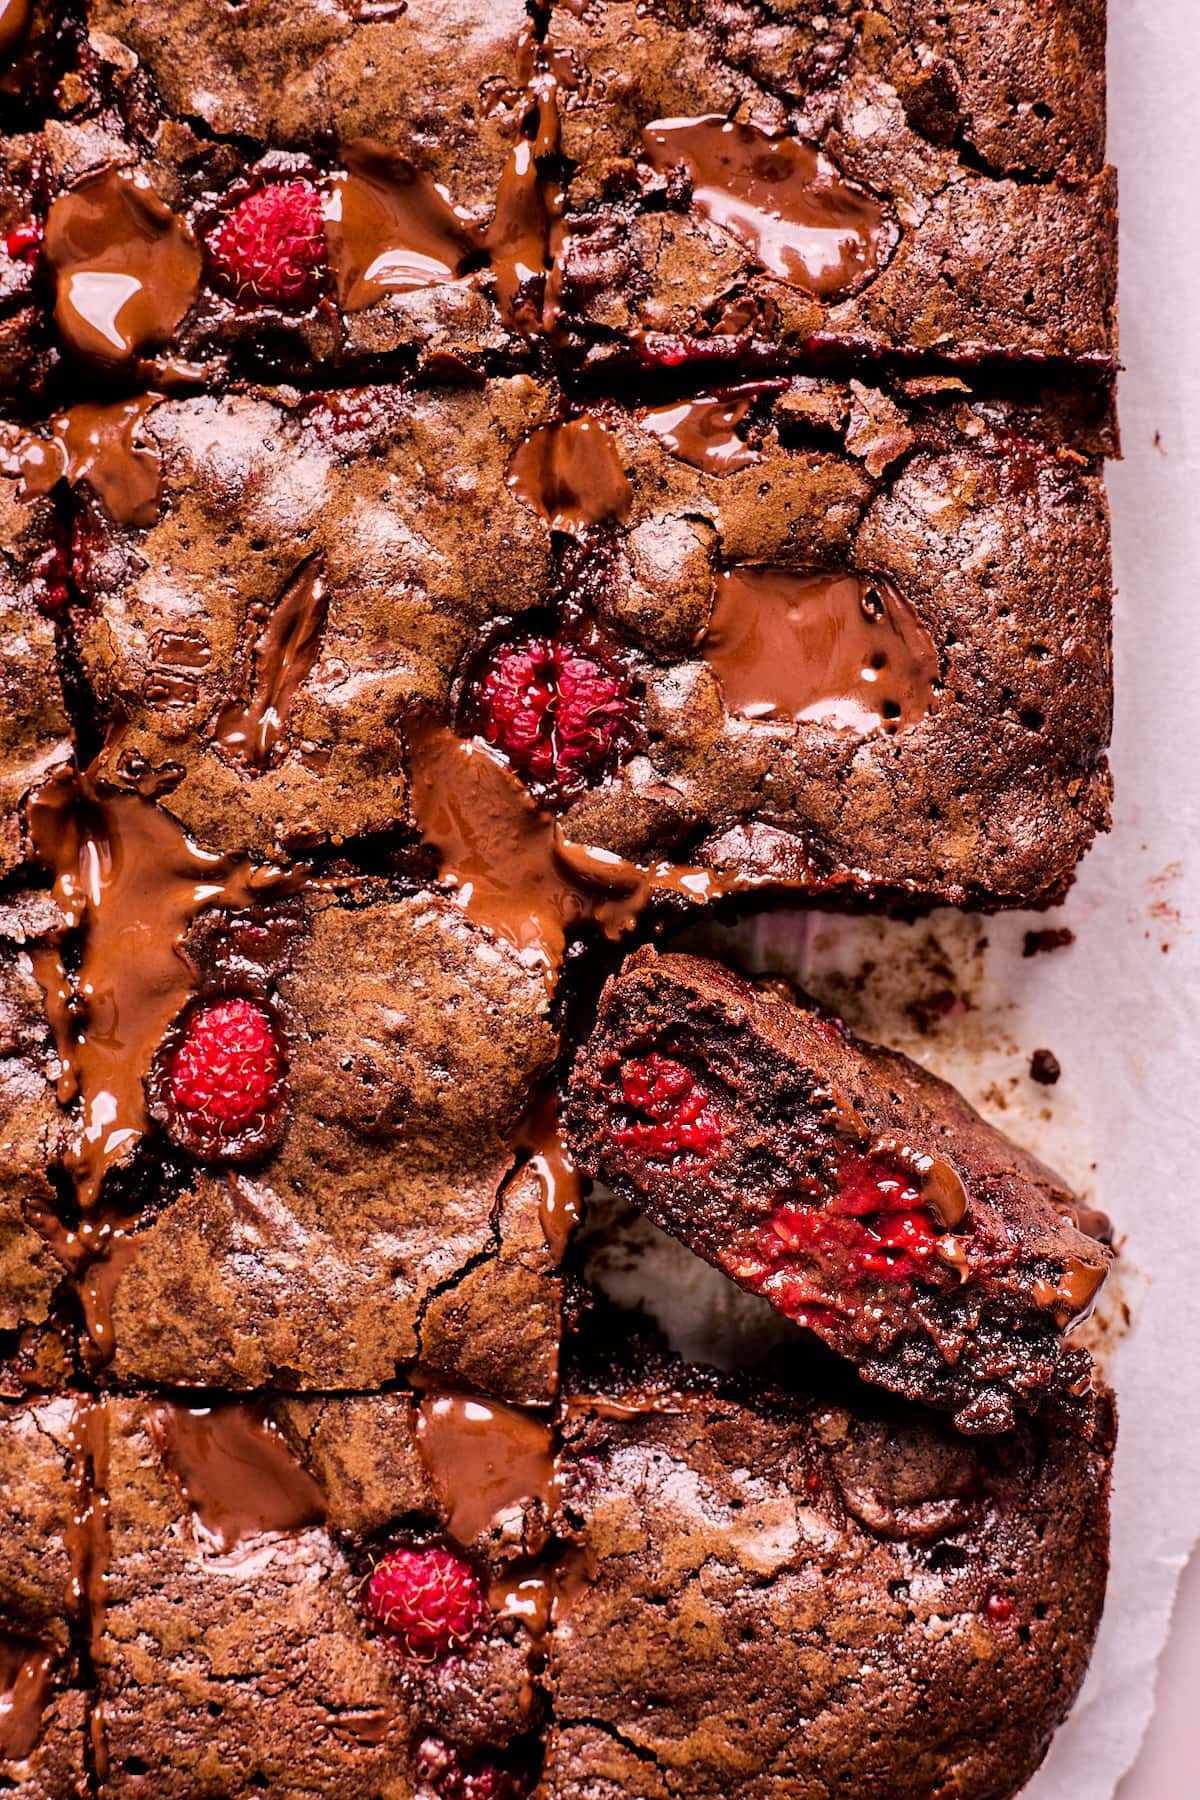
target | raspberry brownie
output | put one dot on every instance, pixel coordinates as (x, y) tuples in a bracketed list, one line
[(295, 1118), (745, 631), (44, 1568), (917, 180), (290, 187), (858, 1193), (794, 1593), (323, 1596)]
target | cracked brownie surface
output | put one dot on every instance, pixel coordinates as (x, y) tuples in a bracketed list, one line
[(480, 486)]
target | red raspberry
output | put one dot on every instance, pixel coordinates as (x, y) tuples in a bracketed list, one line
[(24, 241), (560, 714), (428, 1600), (1000, 1608), (226, 1075), (272, 245), (679, 1124), (441, 1767)]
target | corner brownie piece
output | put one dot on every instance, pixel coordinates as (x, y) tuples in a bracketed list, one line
[(794, 1595), (295, 1602), (329, 1191), (291, 187), (919, 179), (43, 1565), (858, 1193)]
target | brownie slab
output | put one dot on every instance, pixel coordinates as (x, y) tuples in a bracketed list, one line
[(862, 1196), (914, 181), (796, 1596), (236, 1649), (43, 1703)]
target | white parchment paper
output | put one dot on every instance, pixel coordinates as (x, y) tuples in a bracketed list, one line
[(1117, 1006)]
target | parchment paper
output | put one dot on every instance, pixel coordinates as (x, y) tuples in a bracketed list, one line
[(1116, 1007)]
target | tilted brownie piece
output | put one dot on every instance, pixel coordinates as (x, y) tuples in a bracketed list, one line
[(35, 732), (857, 642), (802, 1597), (43, 1568), (916, 179), (861, 1195), (294, 1602), (290, 187), (272, 582), (33, 1337)]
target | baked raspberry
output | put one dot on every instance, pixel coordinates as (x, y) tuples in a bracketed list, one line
[(678, 1122), (225, 1078), (561, 714), (444, 1770), (430, 1601), (1000, 1609), (24, 241), (272, 245)]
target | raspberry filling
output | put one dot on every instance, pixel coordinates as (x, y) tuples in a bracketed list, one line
[(562, 715), (226, 1075), (876, 1228), (453, 1777), (669, 1115), (428, 1601), (272, 246)]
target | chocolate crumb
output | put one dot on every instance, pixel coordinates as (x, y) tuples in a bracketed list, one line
[(1045, 1067), (1056, 937)]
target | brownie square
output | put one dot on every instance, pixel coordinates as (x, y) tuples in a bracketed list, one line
[(863, 1197), (797, 1595), (43, 1704), (919, 180), (372, 1214), (236, 1650), (293, 187)]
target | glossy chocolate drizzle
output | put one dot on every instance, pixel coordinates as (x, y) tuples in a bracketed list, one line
[(485, 1461), (285, 651), (570, 474), (785, 201), (840, 648), (96, 445), (704, 432), (127, 270), (391, 228), (539, 1137), (236, 1472), (15, 19), (26, 1676)]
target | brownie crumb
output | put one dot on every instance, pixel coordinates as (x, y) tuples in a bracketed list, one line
[(1045, 1067), (1057, 937)]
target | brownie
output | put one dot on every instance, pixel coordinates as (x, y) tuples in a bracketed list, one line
[(857, 1192), (299, 1148), (26, 347), (290, 578), (295, 187), (33, 1280), (797, 1595), (43, 1703), (330, 562), (919, 180), (236, 1649), (35, 731)]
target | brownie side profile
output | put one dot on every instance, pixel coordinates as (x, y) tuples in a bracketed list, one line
[(915, 180), (43, 1700), (803, 1597), (861, 1195)]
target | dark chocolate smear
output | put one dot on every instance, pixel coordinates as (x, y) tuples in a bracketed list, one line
[(784, 200), (236, 1471), (391, 228), (126, 268), (26, 1668), (703, 433), (570, 473), (284, 654), (97, 445), (841, 648)]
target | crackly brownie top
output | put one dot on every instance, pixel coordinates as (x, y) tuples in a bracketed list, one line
[(861, 1195), (792, 1596)]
